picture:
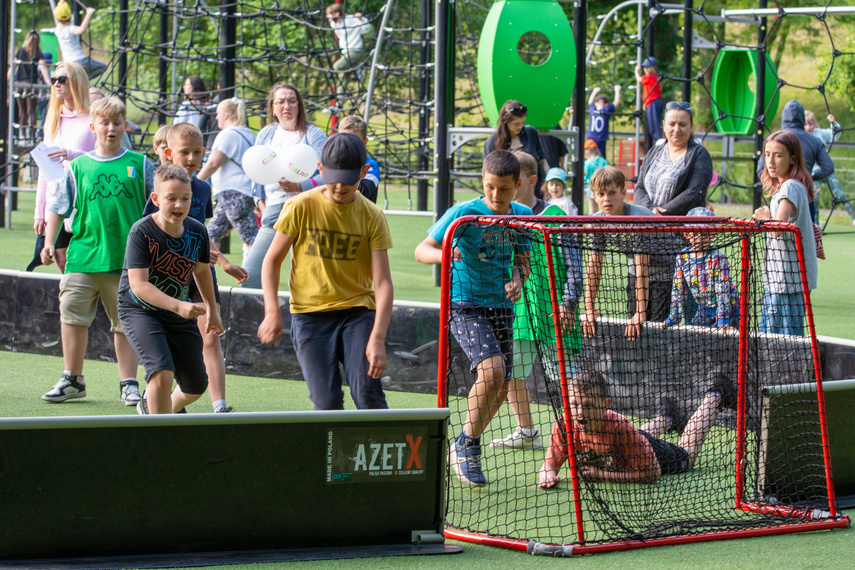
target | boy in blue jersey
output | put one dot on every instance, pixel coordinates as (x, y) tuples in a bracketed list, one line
[(488, 273), (185, 148)]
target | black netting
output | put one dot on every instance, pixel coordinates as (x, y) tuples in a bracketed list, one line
[(756, 464)]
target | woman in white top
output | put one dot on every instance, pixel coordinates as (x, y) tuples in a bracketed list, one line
[(289, 126), (67, 129), (231, 187)]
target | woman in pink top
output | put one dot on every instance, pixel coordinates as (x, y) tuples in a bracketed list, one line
[(67, 128)]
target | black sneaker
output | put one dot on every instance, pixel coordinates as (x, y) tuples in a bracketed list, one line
[(672, 411), (67, 388), (142, 405), (724, 386)]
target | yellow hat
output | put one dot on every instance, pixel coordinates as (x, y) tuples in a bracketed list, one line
[(62, 12)]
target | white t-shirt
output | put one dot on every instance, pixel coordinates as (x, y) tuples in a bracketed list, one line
[(350, 31), (69, 43), (781, 272), (232, 142)]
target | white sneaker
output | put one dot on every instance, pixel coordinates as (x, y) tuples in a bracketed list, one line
[(67, 388), (516, 440), (130, 392)]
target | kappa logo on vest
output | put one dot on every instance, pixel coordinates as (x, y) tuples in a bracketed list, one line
[(109, 186)]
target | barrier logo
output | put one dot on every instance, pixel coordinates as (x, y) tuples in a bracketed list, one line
[(375, 455)]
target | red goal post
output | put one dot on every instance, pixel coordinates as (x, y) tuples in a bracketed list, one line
[(747, 460)]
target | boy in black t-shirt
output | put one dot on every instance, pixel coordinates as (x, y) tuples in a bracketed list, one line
[(165, 251)]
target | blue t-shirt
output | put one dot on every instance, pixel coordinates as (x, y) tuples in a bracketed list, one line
[(201, 206), (599, 129), (479, 277)]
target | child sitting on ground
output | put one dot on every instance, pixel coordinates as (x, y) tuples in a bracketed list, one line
[(593, 162), (703, 273), (610, 448), (165, 252), (556, 185), (488, 272)]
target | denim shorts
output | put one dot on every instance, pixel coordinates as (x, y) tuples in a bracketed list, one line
[(483, 333), (783, 314)]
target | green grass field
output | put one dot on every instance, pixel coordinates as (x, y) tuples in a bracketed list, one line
[(26, 377)]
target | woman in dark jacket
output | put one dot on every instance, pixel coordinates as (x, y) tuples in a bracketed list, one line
[(513, 134), (675, 176)]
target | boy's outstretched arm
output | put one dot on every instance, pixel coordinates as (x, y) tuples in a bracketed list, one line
[(646, 474), (642, 292), (205, 283), (593, 272), (383, 295), (594, 92), (52, 223), (270, 329)]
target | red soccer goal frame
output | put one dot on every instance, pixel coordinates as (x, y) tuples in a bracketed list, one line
[(593, 225)]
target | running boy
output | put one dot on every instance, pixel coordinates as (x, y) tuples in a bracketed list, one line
[(106, 189), (533, 329), (488, 273), (185, 148), (648, 290), (165, 252), (340, 242), (610, 448)]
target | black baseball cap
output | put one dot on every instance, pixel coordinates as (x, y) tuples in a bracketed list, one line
[(343, 158)]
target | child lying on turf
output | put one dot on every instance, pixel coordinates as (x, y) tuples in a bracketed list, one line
[(610, 448)]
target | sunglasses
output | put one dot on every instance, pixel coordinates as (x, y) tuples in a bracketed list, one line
[(61, 79), (678, 105)]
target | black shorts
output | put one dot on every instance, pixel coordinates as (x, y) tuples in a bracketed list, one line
[(195, 296), (672, 458), (658, 299), (62, 238), (164, 344)]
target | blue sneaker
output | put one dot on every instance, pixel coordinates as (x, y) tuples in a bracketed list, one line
[(466, 462)]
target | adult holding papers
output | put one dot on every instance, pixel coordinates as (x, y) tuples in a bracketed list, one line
[(67, 136)]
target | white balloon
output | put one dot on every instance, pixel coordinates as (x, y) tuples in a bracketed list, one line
[(263, 165), (300, 162)]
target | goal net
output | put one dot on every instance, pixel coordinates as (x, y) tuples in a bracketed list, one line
[(709, 421)]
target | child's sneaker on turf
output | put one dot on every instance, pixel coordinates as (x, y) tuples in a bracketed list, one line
[(518, 440), (67, 388), (724, 387), (130, 392), (226, 410), (466, 462), (142, 405), (672, 411)]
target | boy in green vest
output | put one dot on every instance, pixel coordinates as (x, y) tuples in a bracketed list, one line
[(104, 192)]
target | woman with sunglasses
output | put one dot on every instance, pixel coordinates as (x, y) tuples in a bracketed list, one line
[(513, 134), (67, 129), (674, 176)]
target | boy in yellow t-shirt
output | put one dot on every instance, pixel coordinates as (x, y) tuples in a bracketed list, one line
[(340, 241)]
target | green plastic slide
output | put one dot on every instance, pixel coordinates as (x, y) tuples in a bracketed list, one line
[(733, 90)]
